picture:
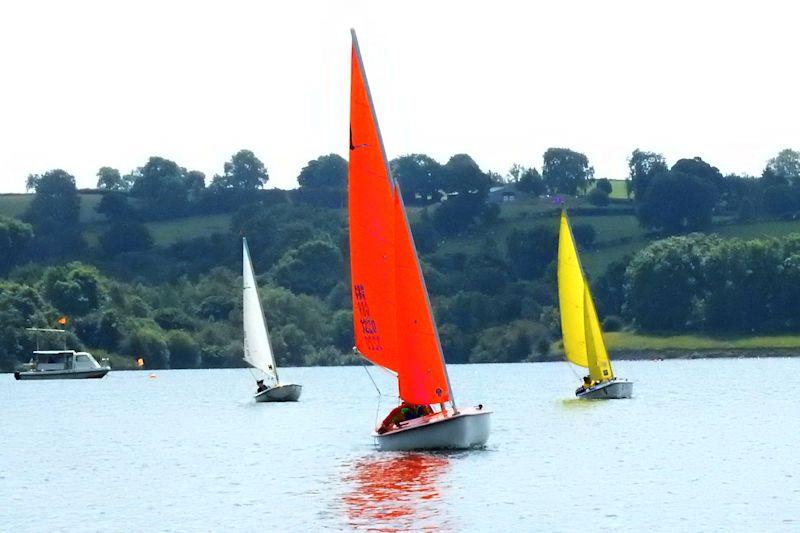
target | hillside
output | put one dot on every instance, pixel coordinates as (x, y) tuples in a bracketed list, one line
[(176, 301), (617, 231)]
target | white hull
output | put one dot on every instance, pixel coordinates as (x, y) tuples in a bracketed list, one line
[(288, 392), (467, 429), (94, 373), (610, 390)]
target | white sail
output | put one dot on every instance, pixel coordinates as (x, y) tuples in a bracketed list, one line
[(257, 348)]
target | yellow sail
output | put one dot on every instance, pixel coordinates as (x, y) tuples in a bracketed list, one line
[(597, 356), (570, 296), (580, 327)]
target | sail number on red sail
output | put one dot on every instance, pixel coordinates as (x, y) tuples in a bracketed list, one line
[(368, 326)]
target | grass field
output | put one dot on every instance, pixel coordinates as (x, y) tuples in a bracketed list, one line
[(623, 340), (171, 231), (618, 189), (15, 205)]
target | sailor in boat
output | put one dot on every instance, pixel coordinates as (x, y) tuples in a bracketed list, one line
[(261, 387), (402, 413), (587, 384)]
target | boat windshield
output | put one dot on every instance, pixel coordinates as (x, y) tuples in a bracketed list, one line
[(84, 360), (54, 360)]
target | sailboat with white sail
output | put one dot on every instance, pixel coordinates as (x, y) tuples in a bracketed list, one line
[(580, 327), (257, 348), (393, 322)]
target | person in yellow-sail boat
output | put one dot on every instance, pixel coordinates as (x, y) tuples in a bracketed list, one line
[(587, 384), (402, 413)]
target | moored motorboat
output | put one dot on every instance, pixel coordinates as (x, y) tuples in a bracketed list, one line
[(62, 364), (392, 318)]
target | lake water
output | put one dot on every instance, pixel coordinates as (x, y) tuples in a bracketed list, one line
[(704, 445)]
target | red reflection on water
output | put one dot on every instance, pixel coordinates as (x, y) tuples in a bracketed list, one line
[(396, 492)]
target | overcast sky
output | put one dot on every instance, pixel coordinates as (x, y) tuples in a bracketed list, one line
[(89, 84)]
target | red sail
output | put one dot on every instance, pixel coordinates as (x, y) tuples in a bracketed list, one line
[(393, 323)]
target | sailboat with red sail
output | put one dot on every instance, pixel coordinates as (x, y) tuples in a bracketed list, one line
[(392, 318)]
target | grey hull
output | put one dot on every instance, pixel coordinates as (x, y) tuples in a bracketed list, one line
[(611, 390), (467, 429), (62, 374), (289, 392)]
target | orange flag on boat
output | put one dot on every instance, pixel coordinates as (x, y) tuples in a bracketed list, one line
[(62, 320)]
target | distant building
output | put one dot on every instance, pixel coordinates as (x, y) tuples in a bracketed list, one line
[(503, 194)]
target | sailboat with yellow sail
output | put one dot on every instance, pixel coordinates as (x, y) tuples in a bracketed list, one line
[(392, 319), (580, 327)]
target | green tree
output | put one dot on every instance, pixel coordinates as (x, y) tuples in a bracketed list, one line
[(699, 168), (125, 236), (426, 239), (243, 171), (54, 214), (313, 268), (786, 165), (183, 350), (507, 344), (530, 251), (604, 184), (463, 176), (676, 202), (164, 187), (566, 171), (531, 182), (21, 306), (675, 263), (109, 179), (609, 289), (75, 288), (323, 182), (115, 206), (598, 197), (643, 167), (15, 238), (584, 234), (420, 178), (781, 200), (147, 343)]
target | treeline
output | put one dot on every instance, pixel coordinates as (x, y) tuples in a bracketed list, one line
[(685, 197), (705, 283), (180, 305)]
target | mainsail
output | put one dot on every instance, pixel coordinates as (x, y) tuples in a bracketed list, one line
[(393, 323), (580, 327), (257, 348)]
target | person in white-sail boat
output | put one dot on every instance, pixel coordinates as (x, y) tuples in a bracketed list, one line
[(261, 387)]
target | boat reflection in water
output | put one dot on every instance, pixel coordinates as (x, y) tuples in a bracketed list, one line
[(397, 492)]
